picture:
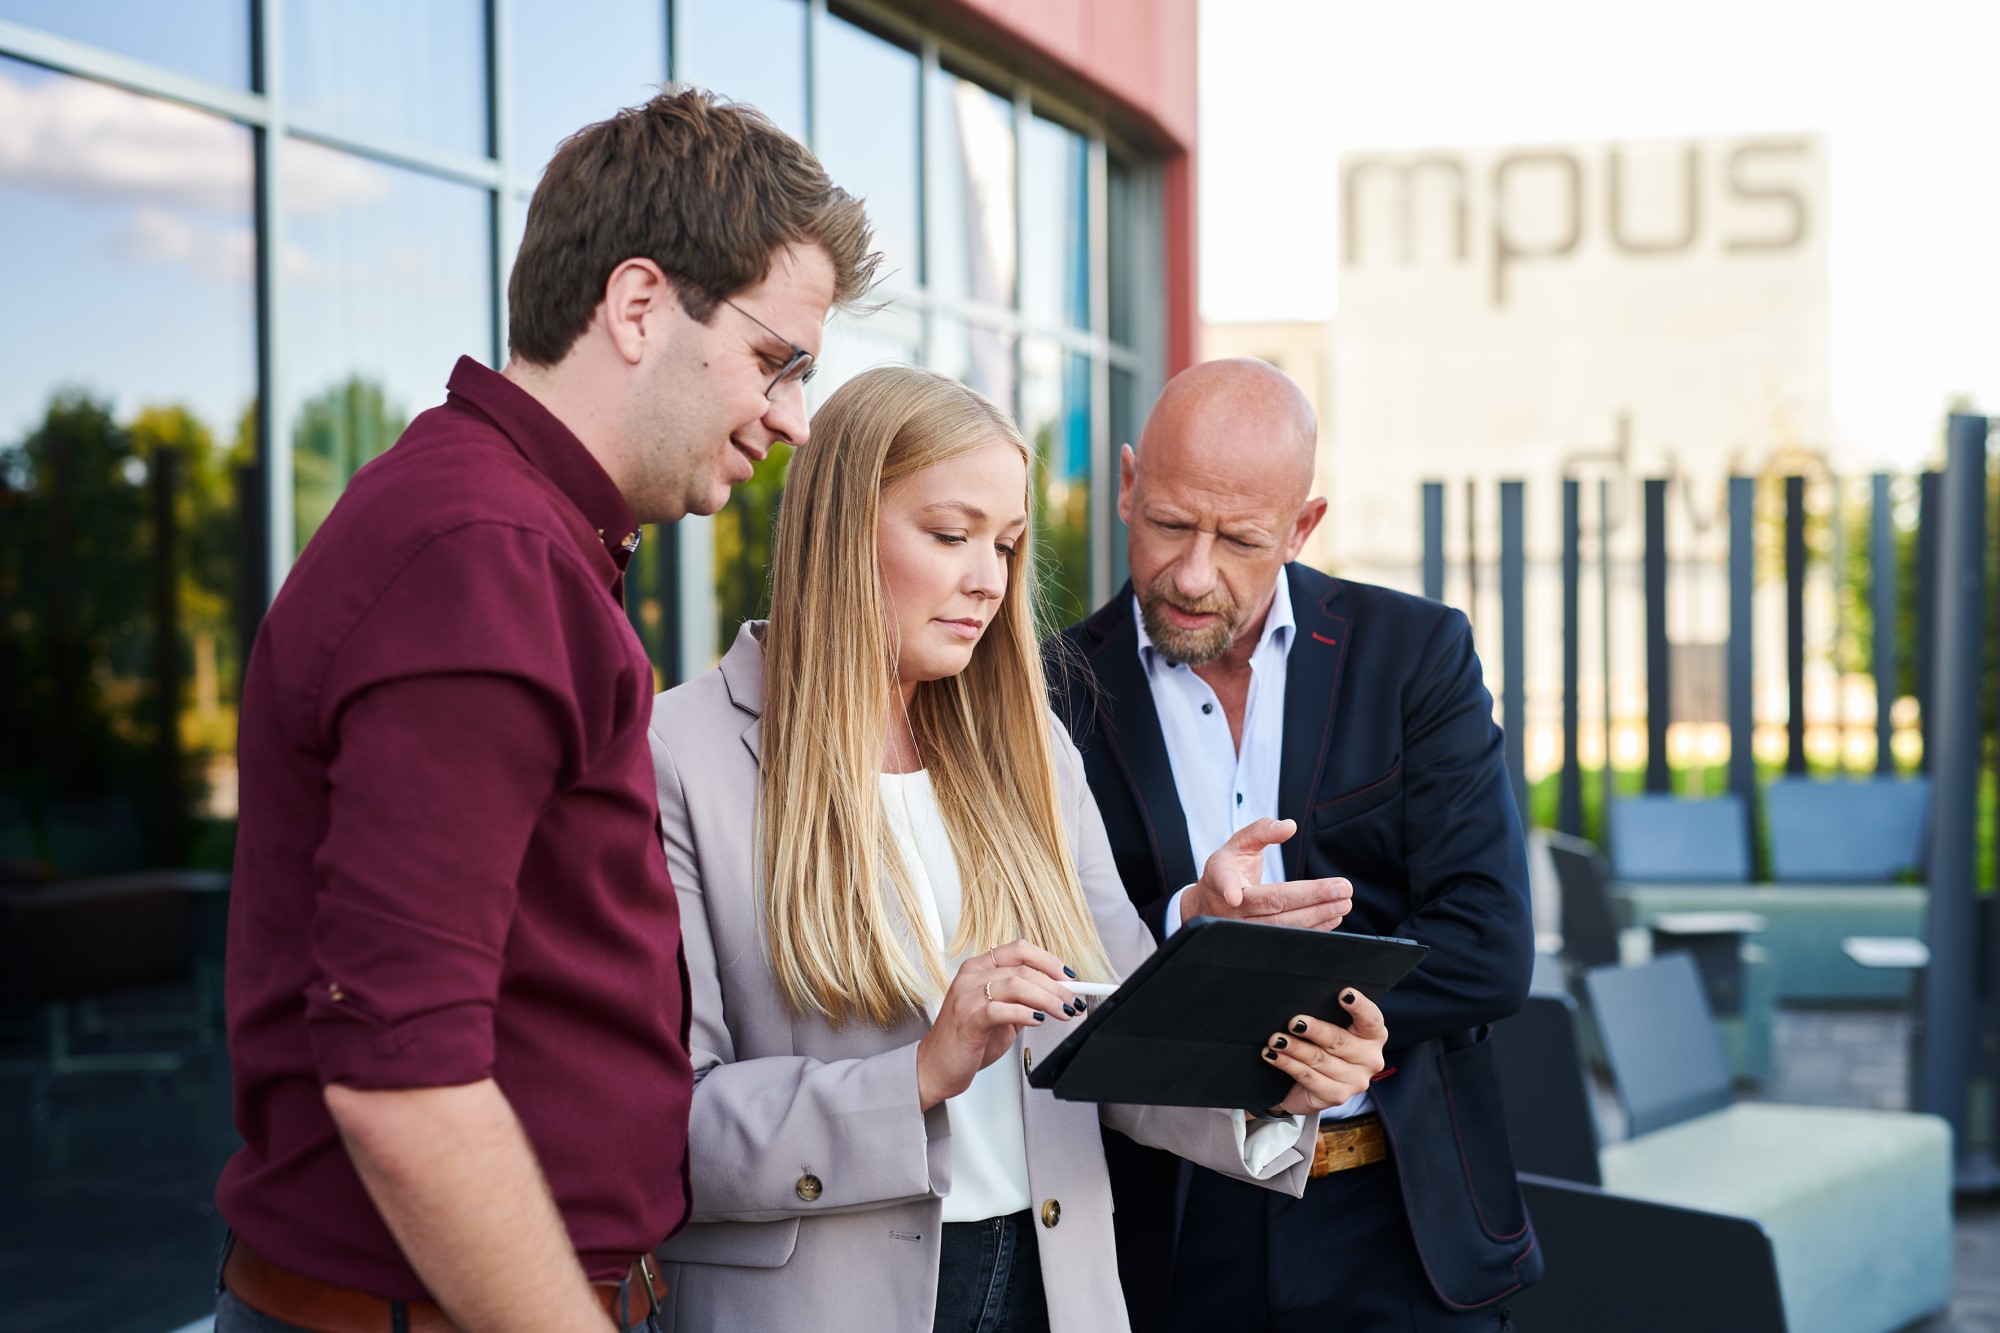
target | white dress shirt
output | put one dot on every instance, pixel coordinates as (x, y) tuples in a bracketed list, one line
[(1223, 786), (989, 1149)]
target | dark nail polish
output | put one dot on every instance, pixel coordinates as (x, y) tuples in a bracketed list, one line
[(1347, 997), (1069, 1011), (1270, 1055), (1040, 1016), (1299, 1026), (1081, 1004), (1069, 972), (1281, 1042)]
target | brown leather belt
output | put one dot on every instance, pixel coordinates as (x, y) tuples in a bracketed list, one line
[(1346, 1143), (294, 1298)]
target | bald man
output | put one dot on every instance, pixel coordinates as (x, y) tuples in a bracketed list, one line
[(1227, 684)]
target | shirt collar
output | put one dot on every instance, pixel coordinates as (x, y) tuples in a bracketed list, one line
[(1278, 624), (554, 451)]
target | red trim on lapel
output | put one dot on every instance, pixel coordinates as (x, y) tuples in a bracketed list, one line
[(1331, 643)]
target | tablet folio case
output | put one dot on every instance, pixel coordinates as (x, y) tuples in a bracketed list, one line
[(1186, 1027)]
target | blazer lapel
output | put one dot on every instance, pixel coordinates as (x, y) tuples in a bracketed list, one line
[(1312, 691), (742, 670), (1130, 726)]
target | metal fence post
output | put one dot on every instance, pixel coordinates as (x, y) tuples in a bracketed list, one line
[(1795, 625), (1882, 605), (1434, 540), (1569, 793), (1929, 520), (1513, 642), (1659, 691), (1742, 641), (1951, 989)]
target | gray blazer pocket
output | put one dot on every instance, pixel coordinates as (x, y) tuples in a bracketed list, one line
[(741, 1244)]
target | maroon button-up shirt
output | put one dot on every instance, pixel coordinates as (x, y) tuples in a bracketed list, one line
[(449, 864)]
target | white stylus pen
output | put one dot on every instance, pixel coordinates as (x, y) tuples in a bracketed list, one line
[(1091, 987)]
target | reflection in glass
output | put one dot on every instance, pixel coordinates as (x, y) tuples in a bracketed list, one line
[(1055, 417), (970, 190), (746, 525), (1132, 244), (854, 342), (1127, 413), (866, 136), (748, 51), (209, 39), (388, 281), (1055, 225), (127, 447), (576, 62), (982, 357), (744, 529), (407, 71)]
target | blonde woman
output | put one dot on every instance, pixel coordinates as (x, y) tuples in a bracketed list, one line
[(889, 868)]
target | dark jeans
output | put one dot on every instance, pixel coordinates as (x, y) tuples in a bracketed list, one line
[(990, 1278), (1341, 1257)]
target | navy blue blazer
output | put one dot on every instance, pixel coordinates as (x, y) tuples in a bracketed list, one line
[(1392, 767)]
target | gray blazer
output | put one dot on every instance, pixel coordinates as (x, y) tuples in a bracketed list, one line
[(817, 1182)]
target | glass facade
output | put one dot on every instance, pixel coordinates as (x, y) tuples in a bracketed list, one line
[(127, 444), (296, 257), (245, 242)]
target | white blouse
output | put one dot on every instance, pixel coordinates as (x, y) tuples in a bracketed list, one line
[(989, 1151)]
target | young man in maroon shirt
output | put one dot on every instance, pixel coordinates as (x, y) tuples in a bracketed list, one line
[(457, 1008)]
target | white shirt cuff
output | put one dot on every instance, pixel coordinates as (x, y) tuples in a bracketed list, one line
[(1173, 922), (1262, 1142), (1356, 1105)]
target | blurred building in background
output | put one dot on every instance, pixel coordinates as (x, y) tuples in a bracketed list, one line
[(246, 239), (1604, 311)]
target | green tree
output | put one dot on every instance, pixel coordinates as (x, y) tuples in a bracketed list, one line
[(745, 532), (337, 431)]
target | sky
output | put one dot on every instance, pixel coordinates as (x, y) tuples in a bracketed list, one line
[(1904, 94)]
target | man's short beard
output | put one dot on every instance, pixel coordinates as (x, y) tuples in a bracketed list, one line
[(1188, 647)]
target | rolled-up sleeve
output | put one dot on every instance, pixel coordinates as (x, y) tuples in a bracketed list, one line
[(454, 719)]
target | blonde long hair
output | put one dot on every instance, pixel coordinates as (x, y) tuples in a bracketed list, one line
[(830, 861)]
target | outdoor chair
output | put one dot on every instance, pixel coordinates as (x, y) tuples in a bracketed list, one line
[(1592, 938), (1857, 1203), (1852, 832), (1672, 856), (1614, 1262), (1662, 839)]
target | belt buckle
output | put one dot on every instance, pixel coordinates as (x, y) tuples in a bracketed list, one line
[(651, 1282)]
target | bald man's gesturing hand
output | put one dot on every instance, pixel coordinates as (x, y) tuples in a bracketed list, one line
[(1231, 885)]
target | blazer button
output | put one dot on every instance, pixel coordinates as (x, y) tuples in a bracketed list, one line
[(1027, 1061), (1051, 1212), (808, 1187)]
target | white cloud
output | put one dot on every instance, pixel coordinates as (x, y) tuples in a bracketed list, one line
[(92, 141), (320, 181), (156, 235)]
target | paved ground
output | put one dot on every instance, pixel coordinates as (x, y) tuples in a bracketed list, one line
[(109, 1224)]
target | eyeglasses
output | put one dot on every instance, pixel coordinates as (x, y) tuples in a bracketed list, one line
[(799, 366)]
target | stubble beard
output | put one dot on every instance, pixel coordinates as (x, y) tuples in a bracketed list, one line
[(1186, 647)]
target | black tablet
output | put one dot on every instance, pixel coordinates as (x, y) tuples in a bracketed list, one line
[(1186, 1027)]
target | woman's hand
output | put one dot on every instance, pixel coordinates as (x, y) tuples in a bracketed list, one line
[(991, 999), (1329, 1063)]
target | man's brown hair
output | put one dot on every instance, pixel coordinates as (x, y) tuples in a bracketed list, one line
[(706, 189)]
